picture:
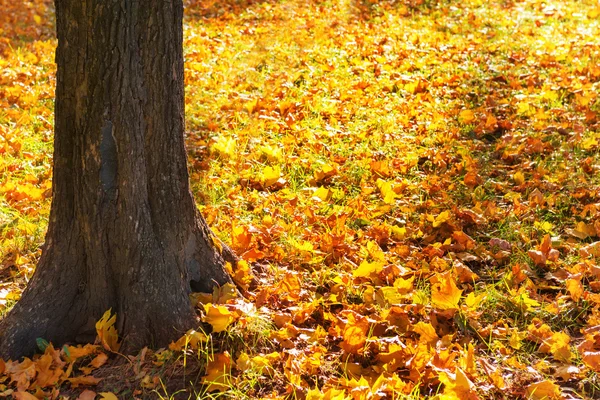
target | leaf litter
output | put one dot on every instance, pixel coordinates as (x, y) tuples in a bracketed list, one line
[(412, 185)]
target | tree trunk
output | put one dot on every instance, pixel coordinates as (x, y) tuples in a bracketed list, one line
[(124, 231)]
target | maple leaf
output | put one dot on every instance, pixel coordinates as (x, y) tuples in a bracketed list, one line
[(445, 294), (355, 333), (441, 218), (73, 353), (192, 339), (84, 380), (543, 390), (592, 359), (21, 373), (24, 396), (48, 373), (242, 275), (458, 386), (218, 316), (218, 371), (367, 269), (107, 333)]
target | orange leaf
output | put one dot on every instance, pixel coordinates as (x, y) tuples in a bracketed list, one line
[(47, 373), (355, 333), (592, 359), (84, 380), (427, 332), (21, 373), (466, 116), (99, 360), (73, 353), (472, 179)]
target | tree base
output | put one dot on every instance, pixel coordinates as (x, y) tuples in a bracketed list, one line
[(71, 289)]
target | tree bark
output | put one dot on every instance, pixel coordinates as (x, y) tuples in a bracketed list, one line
[(124, 231)]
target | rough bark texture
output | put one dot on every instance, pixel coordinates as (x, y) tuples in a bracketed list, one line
[(124, 232)]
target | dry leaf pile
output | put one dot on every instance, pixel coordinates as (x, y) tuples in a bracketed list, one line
[(413, 187)]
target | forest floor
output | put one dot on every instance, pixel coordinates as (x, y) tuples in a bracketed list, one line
[(413, 185)]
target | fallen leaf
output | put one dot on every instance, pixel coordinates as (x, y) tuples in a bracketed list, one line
[(445, 294), (87, 395), (218, 316), (107, 333), (355, 333), (218, 371), (543, 390)]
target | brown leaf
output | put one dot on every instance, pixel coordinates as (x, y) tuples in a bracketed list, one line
[(87, 395)]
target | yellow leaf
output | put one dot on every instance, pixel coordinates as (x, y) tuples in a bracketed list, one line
[(457, 386), (519, 177), (367, 269), (404, 285), (473, 301), (387, 191), (575, 288), (190, 340), (107, 333), (225, 146), (325, 171), (218, 316), (427, 332), (516, 338), (560, 348), (218, 372), (270, 175), (466, 116), (523, 108), (321, 194), (108, 396), (242, 274), (544, 390), (445, 294), (272, 153), (442, 217)]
